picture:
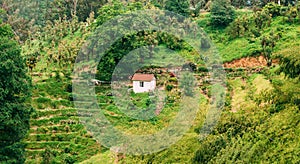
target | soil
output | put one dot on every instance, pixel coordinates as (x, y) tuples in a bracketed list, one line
[(248, 62)]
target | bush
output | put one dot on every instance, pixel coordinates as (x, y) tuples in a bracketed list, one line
[(43, 100), (180, 7), (222, 13), (189, 66), (273, 8), (169, 87), (173, 79), (148, 102), (69, 88), (202, 69), (209, 150)]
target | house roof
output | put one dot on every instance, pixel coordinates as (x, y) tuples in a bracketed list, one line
[(142, 77)]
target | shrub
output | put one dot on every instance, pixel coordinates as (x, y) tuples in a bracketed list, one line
[(173, 79), (181, 7), (209, 150), (189, 66), (169, 87), (43, 100), (273, 8), (54, 105), (202, 69), (69, 159), (148, 102), (69, 88), (222, 13)]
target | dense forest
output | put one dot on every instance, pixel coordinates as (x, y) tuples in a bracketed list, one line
[(239, 70)]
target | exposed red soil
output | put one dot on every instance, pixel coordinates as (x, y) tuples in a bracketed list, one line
[(248, 62)]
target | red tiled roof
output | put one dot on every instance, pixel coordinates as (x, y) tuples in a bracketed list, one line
[(142, 77)]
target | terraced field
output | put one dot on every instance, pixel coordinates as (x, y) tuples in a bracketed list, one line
[(56, 135)]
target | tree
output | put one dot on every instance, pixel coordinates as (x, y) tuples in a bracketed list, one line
[(268, 43), (78, 8), (14, 95), (178, 6), (222, 13)]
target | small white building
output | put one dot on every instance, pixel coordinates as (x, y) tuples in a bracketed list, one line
[(143, 82)]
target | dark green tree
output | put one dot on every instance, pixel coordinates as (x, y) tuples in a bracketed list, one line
[(14, 95), (178, 6), (222, 13)]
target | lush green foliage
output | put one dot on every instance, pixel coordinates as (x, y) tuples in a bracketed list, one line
[(260, 120), (289, 61), (56, 134), (178, 6), (114, 9), (14, 96), (222, 13), (146, 40)]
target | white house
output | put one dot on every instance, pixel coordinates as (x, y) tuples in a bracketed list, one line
[(143, 82)]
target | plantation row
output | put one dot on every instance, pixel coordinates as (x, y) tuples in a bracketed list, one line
[(56, 134)]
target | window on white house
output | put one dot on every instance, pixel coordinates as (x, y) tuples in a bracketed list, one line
[(141, 84)]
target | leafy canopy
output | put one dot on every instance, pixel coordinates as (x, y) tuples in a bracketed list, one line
[(222, 13), (14, 94)]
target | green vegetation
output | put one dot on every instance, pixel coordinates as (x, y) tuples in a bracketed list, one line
[(188, 83), (179, 6), (259, 45), (56, 134), (222, 13), (15, 94)]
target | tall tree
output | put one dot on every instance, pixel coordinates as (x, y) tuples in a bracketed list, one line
[(14, 95)]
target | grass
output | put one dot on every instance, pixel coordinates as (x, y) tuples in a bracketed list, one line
[(138, 127), (239, 95), (102, 158), (244, 46), (180, 152), (244, 91), (261, 84), (237, 49), (125, 119), (229, 50)]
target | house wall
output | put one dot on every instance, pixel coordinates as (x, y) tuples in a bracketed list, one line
[(148, 86)]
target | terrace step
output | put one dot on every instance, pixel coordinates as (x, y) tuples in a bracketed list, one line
[(50, 114), (46, 134), (55, 120)]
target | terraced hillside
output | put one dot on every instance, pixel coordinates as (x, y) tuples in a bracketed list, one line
[(56, 135), (243, 87)]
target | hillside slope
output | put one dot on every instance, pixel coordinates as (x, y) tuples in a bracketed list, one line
[(56, 134)]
